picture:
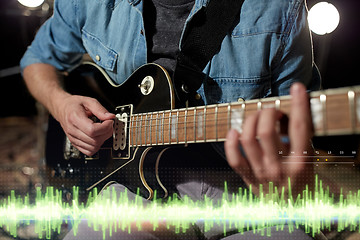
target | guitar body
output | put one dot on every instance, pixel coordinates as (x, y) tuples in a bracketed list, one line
[(147, 89)]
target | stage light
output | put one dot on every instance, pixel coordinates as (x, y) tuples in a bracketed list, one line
[(323, 18), (31, 3)]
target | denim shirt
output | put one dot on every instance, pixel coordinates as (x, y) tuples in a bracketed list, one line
[(269, 48)]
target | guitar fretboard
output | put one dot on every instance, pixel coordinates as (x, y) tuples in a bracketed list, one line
[(334, 112)]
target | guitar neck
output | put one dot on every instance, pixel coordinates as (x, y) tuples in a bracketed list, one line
[(334, 112)]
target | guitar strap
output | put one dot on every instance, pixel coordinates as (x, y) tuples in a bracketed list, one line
[(201, 41)]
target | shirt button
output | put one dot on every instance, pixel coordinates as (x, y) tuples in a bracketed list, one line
[(97, 57)]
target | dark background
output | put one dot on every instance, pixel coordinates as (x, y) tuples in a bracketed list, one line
[(336, 54)]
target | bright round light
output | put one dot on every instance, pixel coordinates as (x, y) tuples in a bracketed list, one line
[(323, 18), (31, 3)]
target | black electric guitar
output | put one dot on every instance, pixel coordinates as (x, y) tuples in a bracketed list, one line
[(147, 124)]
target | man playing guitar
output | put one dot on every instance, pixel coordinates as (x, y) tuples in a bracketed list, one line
[(266, 53)]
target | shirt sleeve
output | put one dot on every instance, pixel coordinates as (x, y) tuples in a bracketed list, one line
[(58, 41), (295, 63)]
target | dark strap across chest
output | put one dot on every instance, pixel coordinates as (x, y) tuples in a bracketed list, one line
[(164, 23), (201, 41)]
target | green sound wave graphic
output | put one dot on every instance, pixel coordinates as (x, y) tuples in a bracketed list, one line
[(314, 211)]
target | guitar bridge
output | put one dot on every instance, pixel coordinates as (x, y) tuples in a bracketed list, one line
[(120, 135)]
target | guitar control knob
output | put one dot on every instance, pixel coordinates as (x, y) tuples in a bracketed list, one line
[(147, 85)]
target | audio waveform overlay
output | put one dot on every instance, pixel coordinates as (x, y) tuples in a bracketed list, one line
[(313, 211)]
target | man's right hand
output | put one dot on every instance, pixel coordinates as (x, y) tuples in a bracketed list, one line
[(72, 111), (87, 136)]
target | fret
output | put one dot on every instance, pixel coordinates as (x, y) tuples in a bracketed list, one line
[(205, 123), (146, 129), (277, 107), (185, 125), (138, 122), (151, 128), (229, 116), (131, 131), (163, 127), (137, 130), (358, 109), (277, 104), (177, 127), (138, 142), (323, 106), (259, 105), (148, 132), (243, 110), (141, 129), (160, 130), (351, 98), (167, 128), (134, 128), (157, 128), (170, 127), (216, 122), (167, 125), (195, 125)]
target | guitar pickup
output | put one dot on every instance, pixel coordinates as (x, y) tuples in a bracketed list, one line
[(120, 133), (121, 125)]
